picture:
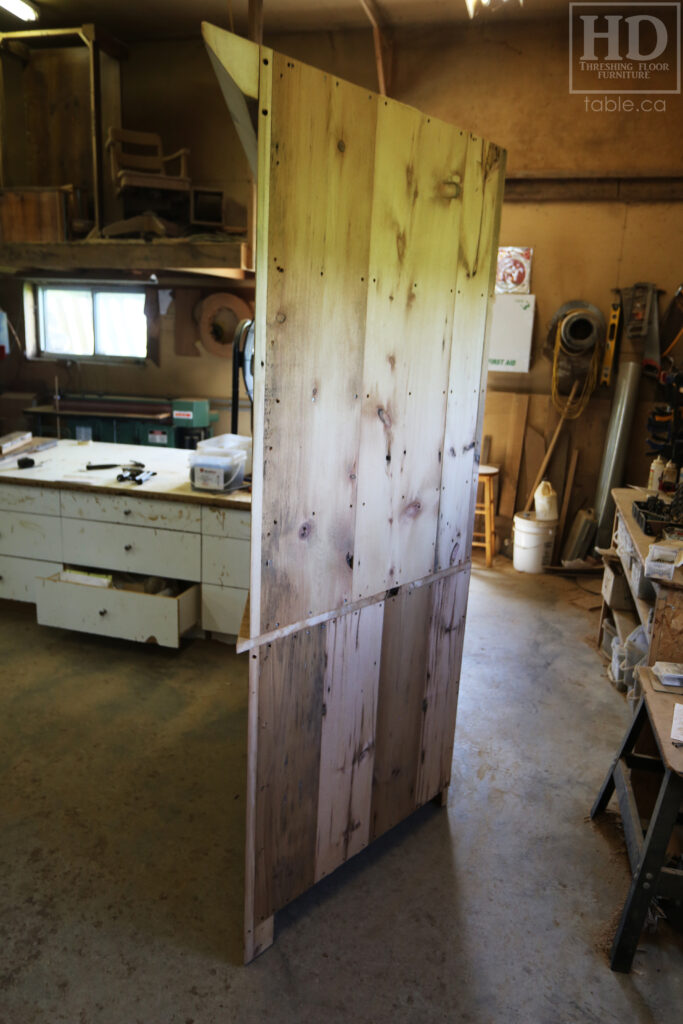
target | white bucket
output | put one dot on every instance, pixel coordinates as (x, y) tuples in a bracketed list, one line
[(533, 542)]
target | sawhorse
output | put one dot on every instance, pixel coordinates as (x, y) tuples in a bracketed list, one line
[(647, 851)]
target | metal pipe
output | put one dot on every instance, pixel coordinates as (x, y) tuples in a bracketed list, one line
[(614, 456)]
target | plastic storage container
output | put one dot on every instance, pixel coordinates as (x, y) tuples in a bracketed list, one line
[(224, 443), (218, 473)]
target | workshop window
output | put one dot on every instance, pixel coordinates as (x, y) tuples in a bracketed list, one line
[(91, 322)]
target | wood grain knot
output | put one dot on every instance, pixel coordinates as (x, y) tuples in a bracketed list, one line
[(413, 510), (305, 530), (384, 417), (450, 189), (341, 145), (280, 317)]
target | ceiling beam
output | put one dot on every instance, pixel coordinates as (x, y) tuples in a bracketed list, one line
[(383, 44)]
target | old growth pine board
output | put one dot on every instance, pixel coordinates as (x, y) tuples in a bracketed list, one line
[(376, 238)]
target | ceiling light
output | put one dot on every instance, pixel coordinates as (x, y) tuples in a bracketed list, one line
[(492, 5), (20, 9)]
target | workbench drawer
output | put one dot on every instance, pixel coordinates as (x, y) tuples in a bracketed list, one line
[(226, 522), (139, 549), (223, 608), (43, 500), (18, 577), (26, 535), (106, 611), (225, 561), (131, 510)]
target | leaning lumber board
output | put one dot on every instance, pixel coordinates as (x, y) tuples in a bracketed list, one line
[(519, 407), (566, 497)]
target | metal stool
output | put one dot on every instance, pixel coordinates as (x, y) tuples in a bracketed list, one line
[(487, 538)]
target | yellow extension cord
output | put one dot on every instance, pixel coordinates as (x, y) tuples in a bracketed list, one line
[(561, 402)]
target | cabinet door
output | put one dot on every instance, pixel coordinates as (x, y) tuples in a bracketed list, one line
[(18, 577), (222, 608), (225, 561)]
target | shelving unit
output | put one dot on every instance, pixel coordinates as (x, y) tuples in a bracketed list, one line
[(121, 255), (662, 616)]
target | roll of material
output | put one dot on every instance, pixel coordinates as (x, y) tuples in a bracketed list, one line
[(218, 316)]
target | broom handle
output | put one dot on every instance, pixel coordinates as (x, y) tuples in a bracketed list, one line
[(551, 448)]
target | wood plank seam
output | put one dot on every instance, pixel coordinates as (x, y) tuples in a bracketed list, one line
[(247, 643)]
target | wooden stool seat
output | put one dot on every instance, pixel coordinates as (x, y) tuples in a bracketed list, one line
[(486, 508)]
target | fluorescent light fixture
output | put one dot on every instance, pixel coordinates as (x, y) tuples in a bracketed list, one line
[(20, 9)]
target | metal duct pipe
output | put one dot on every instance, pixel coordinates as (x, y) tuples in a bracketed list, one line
[(614, 457)]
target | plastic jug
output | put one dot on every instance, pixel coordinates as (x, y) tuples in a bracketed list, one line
[(545, 501)]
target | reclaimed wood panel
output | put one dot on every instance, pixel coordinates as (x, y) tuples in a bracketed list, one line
[(419, 166), (290, 701), (371, 217), (321, 174), (478, 246), (402, 684), (448, 610), (348, 736)]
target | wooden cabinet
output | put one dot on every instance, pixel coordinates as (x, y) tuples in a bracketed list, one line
[(102, 528)]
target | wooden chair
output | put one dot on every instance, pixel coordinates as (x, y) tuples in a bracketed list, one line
[(137, 162), (486, 538)]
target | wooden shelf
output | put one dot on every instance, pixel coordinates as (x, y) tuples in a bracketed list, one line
[(625, 622), (120, 254)]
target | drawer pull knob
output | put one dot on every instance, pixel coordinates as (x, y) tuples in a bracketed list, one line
[(128, 547), (103, 611), (127, 511)]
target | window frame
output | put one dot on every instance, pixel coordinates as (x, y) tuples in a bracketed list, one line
[(34, 318)]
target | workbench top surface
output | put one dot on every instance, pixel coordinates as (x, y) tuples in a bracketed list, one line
[(623, 499), (64, 466), (661, 709)]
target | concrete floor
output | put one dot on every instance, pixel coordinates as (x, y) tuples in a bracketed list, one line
[(122, 775)]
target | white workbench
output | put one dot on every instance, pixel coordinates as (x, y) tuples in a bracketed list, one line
[(58, 514)]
